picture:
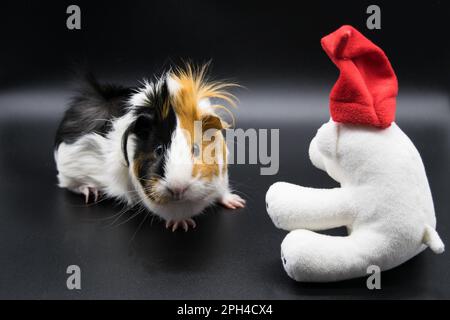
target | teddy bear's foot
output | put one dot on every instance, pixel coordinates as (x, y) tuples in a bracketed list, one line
[(308, 256)]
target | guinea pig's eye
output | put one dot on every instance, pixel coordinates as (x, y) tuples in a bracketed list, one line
[(195, 150), (158, 151)]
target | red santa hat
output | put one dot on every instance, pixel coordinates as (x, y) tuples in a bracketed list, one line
[(366, 89)]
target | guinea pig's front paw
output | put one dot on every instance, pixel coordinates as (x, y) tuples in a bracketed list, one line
[(232, 201), (185, 224)]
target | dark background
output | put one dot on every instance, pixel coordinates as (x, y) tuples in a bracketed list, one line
[(273, 50), (247, 40)]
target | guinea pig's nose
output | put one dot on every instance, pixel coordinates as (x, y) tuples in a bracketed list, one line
[(177, 191)]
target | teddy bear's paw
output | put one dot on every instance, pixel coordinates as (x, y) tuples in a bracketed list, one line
[(275, 202)]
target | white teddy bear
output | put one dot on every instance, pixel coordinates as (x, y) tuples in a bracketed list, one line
[(384, 199)]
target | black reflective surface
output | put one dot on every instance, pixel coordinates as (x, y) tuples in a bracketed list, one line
[(273, 50), (44, 229)]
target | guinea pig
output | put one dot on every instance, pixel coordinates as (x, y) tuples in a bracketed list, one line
[(146, 146)]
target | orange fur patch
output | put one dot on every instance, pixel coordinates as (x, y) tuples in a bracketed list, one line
[(194, 87)]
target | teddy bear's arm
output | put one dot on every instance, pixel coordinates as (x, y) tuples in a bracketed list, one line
[(294, 207)]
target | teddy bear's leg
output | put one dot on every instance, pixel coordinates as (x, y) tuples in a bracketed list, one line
[(294, 207), (308, 256)]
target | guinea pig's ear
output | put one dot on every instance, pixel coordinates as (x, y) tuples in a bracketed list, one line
[(141, 127), (326, 139), (210, 121)]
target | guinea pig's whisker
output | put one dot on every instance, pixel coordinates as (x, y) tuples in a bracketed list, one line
[(107, 120), (152, 179), (236, 183), (120, 214), (108, 217), (139, 227), (131, 191), (130, 217)]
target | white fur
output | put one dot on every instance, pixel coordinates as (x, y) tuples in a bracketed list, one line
[(384, 201), (205, 105), (140, 97), (172, 85), (179, 161), (98, 162)]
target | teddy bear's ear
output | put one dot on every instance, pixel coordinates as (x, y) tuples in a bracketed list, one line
[(327, 139)]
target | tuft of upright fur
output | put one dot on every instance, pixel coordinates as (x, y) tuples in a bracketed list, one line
[(195, 85)]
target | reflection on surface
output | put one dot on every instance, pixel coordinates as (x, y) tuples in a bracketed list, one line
[(43, 229)]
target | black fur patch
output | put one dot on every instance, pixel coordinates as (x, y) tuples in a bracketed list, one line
[(153, 129), (92, 109), (95, 105)]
